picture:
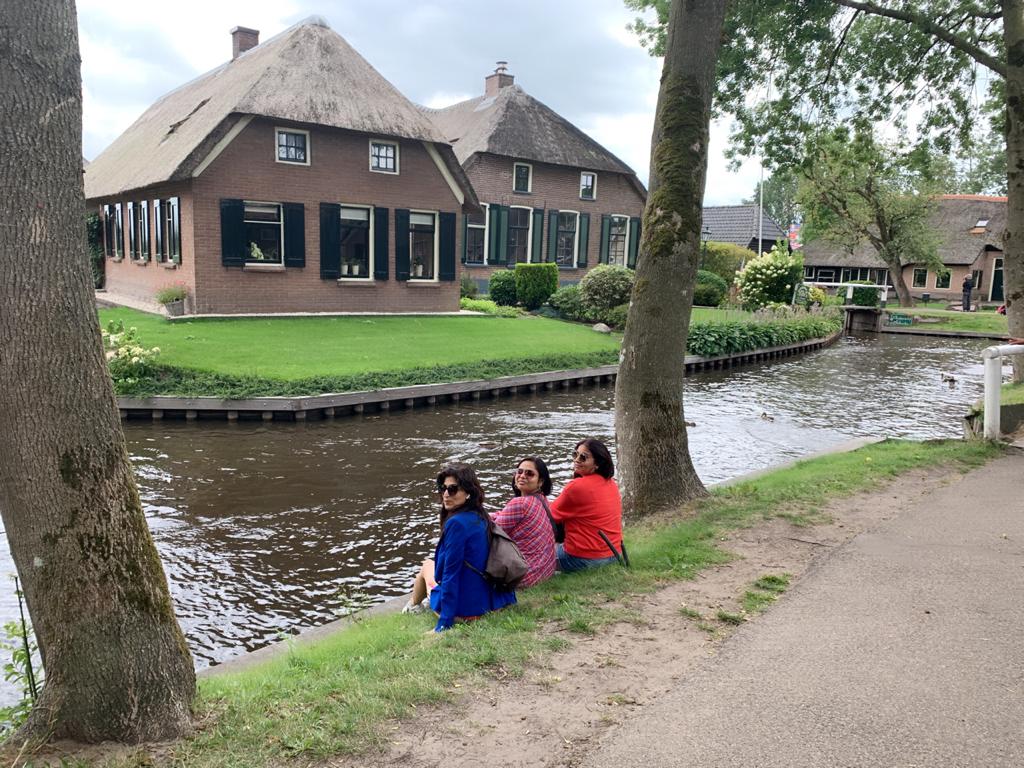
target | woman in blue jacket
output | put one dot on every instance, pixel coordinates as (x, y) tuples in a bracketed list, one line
[(457, 592)]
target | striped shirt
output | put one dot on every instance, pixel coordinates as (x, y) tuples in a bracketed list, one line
[(526, 522)]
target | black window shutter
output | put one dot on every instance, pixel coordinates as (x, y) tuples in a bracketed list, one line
[(537, 247), (634, 242), (133, 232), (294, 234), (552, 236), (173, 233), (465, 236), (503, 234), (158, 228), (495, 250), (581, 261), (401, 244), (330, 241), (446, 244), (232, 233), (606, 230), (144, 244), (380, 244)]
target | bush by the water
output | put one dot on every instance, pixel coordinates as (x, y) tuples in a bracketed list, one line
[(468, 289), (535, 283), (569, 304), (765, 329), (724, 259), (604, 287), (865, 297), (710, 289), (502, 288), (770, 278)]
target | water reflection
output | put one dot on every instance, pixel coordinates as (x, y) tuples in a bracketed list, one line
[(267, 529)]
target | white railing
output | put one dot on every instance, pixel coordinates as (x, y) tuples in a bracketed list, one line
[(883, 290), (993, 361)]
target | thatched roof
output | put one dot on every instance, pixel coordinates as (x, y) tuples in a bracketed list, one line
[(514, 124), (738, 224), (307, 74), (954, 219)]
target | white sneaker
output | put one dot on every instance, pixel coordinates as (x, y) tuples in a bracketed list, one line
[(411, 607)]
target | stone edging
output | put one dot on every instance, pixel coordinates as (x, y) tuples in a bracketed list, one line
[(950, 334)]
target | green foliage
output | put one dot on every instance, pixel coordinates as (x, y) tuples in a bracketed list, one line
[(468, 288), (169, 293), (535, 283), (709, 290), (724, 259), (502, 288), (770, 278), (19, 641), (780, 197), (604, 287), (94, 244), (817, 296), (129, 362), (865, 297), (569, 303), (768, 329), (616, 316), (488, 308)]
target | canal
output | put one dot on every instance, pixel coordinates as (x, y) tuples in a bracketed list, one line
[(268, 529)]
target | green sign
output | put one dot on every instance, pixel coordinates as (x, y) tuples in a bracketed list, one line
[(895, 318)]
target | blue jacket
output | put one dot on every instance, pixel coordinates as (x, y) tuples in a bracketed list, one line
[(460, 591)]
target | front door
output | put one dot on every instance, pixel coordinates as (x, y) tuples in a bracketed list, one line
[(997, 281)]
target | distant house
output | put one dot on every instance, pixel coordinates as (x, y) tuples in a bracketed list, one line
[(549, 192), (970, 229), (741, 225), (293, 178)]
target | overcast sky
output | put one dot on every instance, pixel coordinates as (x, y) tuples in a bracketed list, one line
[(576, 56)]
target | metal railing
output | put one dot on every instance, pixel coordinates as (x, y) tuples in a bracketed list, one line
[(992, 358)]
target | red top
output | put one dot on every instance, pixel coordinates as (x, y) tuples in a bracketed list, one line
[(587, 505), (527, 524)]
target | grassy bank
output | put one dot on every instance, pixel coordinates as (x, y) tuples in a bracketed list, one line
[(334, 697), (945, 320), (1012, 394)]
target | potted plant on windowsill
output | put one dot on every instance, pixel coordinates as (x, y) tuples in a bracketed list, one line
[(172, 297)]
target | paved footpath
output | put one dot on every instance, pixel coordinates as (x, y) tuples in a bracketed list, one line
[(905, 647)]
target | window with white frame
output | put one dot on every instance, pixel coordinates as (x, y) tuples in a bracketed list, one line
[(942, 279), (618, 238), (588, 186), (168, 230), (383, 156), (920, 278), (566, 240), (476, 237), (519, 220), (292, 146), (522, 177), (976, 277), (264, 233), (138, 230), (808, 273), (356, 243), (855, 273), (422, 246), (826, 275)]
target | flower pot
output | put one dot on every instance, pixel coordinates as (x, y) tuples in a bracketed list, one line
[(344, 270), (175, 308), (356, 269), (417, 271)]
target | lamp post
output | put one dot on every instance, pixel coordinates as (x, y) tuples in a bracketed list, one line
[(705, 235)]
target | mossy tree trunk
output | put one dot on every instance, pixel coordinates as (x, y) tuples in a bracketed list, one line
[(1013, 261), (654, 458), (117, 666)]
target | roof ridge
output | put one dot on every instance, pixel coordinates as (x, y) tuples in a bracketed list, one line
[(980, 198)]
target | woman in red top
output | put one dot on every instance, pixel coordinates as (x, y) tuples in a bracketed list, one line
[(525, 519), (588, 506)]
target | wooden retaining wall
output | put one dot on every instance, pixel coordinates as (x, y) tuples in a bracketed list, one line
[(425, 395)]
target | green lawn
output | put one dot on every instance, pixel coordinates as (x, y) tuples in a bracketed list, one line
[(979, 322), (1012, 394)]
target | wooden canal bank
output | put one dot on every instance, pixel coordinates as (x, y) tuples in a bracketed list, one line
[(329, 406)]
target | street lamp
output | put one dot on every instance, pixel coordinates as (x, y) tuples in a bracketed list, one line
[(705, 235)]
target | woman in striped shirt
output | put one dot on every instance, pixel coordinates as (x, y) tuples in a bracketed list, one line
[(525, 519)]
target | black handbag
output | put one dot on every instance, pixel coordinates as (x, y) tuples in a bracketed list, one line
[(556, 527)]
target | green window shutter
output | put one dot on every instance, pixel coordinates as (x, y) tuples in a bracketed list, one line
[(552, 236), (232, 233), (606, 230), (401, 244), (173, 233), (537, 235), (446, 245), (330, 241), (497, 234), (584, 235), (634, 242), (380, 244), (465, 236), (159, 214), (294, 234), (133, 232), (144, 244)]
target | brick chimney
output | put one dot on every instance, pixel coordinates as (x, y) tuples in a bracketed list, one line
[(242, 39), (497, 81)]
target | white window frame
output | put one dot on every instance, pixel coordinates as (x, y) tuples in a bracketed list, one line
[(625, 250), (278, 130), (486, 228), (590, 173), (529, 179), (913, 282), (949, 277), (808, 272), (398, 157), (575, 243), (246, 260), (830, 271), (529, 233), (437, 248), (371, 249)]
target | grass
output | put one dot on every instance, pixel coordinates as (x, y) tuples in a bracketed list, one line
[(978, 322), (336, 696), (1012, 394), (764, 592)]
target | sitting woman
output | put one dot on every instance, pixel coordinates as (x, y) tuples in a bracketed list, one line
[(525, 519), (589, 506), (458, 592)]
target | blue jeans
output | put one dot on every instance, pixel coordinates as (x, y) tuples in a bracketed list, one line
[(568, 563)]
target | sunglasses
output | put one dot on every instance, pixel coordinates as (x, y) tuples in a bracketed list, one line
[(451, 490), (527, 473), (581, 457)]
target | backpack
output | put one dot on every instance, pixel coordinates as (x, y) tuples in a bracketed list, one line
[(506, 566)]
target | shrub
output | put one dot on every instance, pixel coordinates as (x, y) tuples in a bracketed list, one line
[(569, 303), (616, 316), (767, 329), (724, 259), (169, 293), (817, 296), (127, 359), (865, 297), (769, 278), (605, 287), (468, 289), (535, 283), (487, 307), (710, 289), (502, 288)]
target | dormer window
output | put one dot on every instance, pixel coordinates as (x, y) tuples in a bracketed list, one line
[(588, 186), (383, 156), (522, 178), (292, 146)]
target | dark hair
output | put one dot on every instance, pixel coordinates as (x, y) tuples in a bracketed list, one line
[(542, 471), (466, 478), (602, 458)]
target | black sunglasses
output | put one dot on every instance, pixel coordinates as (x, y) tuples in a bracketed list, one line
[(528, 473), (451, 489), (580, 456)]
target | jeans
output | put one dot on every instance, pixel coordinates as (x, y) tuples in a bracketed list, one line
[(568, 563)]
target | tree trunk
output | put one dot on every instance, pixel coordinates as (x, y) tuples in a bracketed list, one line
[(654, 459), (117, 666), (1013, 254), (902, 291)]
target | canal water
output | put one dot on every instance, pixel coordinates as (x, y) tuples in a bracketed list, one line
[(268, 529)]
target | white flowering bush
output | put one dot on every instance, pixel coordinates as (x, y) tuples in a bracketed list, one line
[(127, 359), (769, 278)]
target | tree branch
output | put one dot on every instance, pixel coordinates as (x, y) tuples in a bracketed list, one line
[(839, 47)]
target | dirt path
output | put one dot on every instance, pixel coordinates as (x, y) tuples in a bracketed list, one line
[(557, 712)]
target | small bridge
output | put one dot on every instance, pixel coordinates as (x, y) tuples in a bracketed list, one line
[(861, 318)]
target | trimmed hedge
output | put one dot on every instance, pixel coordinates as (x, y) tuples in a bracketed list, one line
[(502, 288), (724, 259), (714, 339), (865, 297), (535, 283), (709, 290), (605, 287)]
